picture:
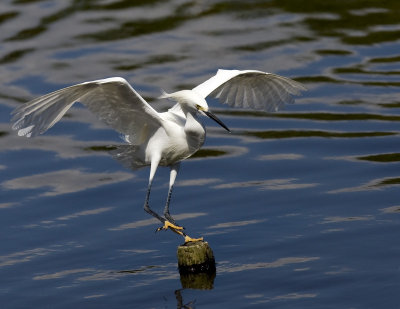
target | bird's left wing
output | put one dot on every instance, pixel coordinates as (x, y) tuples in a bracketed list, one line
[(113, 100), (250, 89)]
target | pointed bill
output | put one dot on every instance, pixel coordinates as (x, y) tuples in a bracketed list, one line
[(217, 120)]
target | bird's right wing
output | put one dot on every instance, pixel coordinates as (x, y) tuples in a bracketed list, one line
[(250, 89), (113, 100)]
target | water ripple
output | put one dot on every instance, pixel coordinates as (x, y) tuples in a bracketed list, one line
[(65, 181)]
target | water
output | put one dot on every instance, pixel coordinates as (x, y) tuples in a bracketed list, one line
[(301, 208)]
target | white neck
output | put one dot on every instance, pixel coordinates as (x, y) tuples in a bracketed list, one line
[(195, 131)]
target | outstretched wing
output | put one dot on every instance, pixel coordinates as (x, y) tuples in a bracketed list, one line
[(250, 89), (113, 100)]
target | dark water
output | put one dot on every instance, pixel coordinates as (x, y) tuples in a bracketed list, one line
[(301, 207)]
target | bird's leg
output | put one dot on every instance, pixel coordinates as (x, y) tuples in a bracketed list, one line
[(153, 168), (167, 224), (173, 174), (147, 206)]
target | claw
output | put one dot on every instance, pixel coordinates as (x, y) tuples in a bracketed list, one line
[(190, 239), (168, 225), (178, 230)]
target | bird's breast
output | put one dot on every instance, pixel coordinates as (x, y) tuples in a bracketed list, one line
[(180, 145), (195, 138)]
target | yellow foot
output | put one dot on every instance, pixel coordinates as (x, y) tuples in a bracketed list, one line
[(190, 239), (168, 225)]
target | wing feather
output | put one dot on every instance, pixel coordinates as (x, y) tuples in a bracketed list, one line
[(113, 100), (250, 89)]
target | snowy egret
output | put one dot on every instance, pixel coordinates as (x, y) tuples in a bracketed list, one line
[(158, 139)]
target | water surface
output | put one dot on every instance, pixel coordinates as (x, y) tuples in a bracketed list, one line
[(300, 207)]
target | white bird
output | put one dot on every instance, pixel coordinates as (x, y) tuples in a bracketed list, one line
[(158, 139)]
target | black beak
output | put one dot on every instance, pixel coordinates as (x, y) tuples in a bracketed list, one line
[(216, 119)]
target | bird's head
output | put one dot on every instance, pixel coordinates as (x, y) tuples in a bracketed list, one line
[(190, 101)]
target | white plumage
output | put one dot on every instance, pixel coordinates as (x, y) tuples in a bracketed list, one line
[(158, 138)]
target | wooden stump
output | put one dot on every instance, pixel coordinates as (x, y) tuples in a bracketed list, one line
[(196, 265)]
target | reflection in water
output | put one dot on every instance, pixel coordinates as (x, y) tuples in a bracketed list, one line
[(386, 157), (198, 281), (85, 213), (235, 224), (228, 227), (270, 184), (92, 274), (64, 146), (316, 116), (60, 221), (198, 182), (346, 51), (220, 152), (24, 256), (7, 205), (281, 156), (261, 299), (391, 210), (275, 134), (224, 267), (65, 181), (179, 300), (29, 255), (63, 274), (329, 220), (151, 221), (375, 184)]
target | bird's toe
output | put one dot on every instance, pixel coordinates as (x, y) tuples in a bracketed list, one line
[(168, 225), (190, 239)]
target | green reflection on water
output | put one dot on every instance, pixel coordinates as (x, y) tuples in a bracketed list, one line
[(315, 116), (359, 70), (347, 16), (387, 157), (8, 15), (340, 116), (268, 44), (101, 148), (15, 55), (28, 33), (136, 28), (208, 152), (389, 182), (385, 59), (390, 105), (333, 52), (158, 59), (311, 133)]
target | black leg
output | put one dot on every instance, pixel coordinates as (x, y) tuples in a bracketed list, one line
[(147, 206)]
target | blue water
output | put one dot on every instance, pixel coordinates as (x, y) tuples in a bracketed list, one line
[(301, 208)]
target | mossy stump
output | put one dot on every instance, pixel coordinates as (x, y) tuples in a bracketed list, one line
[(194, 257), (196, 264)]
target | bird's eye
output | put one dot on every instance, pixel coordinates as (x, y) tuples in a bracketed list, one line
[(198, 107)]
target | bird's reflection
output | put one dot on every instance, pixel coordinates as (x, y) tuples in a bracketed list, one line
[(179, 301), (199, 281)]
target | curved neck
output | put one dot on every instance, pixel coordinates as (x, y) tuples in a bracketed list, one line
[(192, 120)]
